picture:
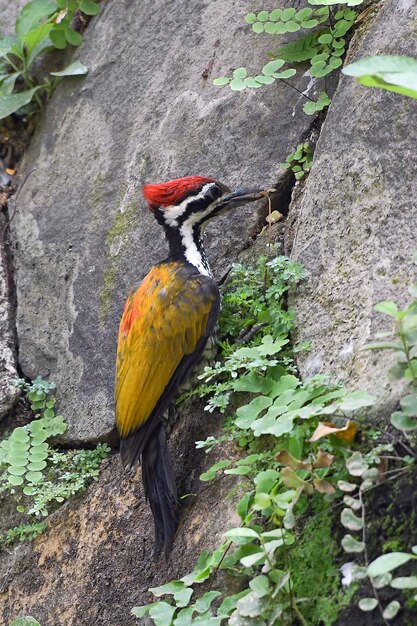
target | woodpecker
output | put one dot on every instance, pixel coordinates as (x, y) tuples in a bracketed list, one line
[(164, 329)]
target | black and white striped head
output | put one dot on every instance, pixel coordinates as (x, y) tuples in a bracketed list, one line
[(192, 200)]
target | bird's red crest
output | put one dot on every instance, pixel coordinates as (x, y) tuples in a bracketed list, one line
[(173, 191)]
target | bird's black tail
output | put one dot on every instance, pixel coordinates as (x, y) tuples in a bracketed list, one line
[(160, 489)]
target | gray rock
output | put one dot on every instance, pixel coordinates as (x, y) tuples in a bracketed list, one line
[(145, 112), (8, 391), (357, 218), (8, 13)]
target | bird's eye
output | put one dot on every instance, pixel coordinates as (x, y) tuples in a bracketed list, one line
[(214, 192)]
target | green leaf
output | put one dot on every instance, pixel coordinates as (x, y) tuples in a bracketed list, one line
[(16, 470), (25, 621), (203, 604), (262, 16), (212, 471), (287, 14), (236, 534), (264, 80), (313, 107), (275, 15), (409, 405), (222, 80), (13, 102), (272, 67), (253, 383), (292, 26), (57, 36), (285, 383), (252, 559), (404, 582), (356, 400), (249, 412), (140, 611), (270, 28), (89, 7), (403, 422), (34, 477), (15, 480), (168, 589), (20, 434), (258, 28), (37, 466), (302, 15), (265, 480), (242, 470), (240, 72), (37, 40), (162, 613), (309, 24), (326, 38), (391, 610), (388, 562), (300, 50), (7, 84), (237, 84), (260, 586), (183, 597), (73, 37), (350, 521), (75, 69), (184, 617), (367, 604), (350, 544), (285, 74), (250, 18), (389, 72), (32, 13), (6, 45)]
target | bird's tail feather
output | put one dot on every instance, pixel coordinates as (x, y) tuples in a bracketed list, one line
[(160, 490)]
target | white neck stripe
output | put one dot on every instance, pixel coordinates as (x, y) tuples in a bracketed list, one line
[(172, 213)]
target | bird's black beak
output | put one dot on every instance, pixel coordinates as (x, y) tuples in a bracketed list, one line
[(241, 196)]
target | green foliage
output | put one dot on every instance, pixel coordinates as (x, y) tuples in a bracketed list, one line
[(301, 160), (36, 475), (312, 106), (315, 572), (365, 468), (323, 48), (389, 72), (294, 467), (256, 296), (40, 26), (25, 621), (276, 419), (23, 532)]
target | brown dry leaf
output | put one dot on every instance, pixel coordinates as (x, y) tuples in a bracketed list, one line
[(293, 481), (324, 429), (324, 459), (286, 458), (10, 171), (322, 486)]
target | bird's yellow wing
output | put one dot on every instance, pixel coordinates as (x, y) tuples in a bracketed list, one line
[(165, 325)]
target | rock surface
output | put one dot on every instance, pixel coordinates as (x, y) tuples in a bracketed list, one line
[(95, 562), (8, 374), (357, 219), (145, 112), (8, 12)]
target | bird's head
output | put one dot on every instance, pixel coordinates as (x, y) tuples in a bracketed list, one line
[(193, 200)]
